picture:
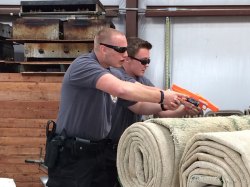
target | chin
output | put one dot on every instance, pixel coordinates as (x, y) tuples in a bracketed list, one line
[(117, 65)]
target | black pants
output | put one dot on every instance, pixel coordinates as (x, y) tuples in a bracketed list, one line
[(84, 170), (111, 169)]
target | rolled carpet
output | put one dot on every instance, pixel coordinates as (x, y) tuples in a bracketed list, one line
[(149, 152), (217, 159)]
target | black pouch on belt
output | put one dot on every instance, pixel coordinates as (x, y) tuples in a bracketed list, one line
[(54, 144)]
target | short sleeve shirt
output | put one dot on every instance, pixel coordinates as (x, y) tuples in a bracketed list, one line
[(84, 111), (122, 117)]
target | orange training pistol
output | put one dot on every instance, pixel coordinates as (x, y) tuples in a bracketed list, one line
[(196, 99)]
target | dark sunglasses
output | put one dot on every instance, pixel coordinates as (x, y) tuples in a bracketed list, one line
[(142, 61), (116, 48)]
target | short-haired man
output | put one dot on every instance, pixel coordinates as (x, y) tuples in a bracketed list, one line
[(127, 112), (84, 117)]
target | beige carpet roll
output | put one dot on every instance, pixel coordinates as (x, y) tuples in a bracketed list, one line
[(216, 159), (149, 152)]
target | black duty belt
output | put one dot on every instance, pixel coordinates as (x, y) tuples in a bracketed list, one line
[(94, 142), (79, 145)]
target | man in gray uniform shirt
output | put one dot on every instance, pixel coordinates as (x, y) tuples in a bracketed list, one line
[(84, 117), (127, 112)]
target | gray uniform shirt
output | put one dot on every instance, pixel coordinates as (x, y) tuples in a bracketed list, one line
[(122, 117), (85, 111)]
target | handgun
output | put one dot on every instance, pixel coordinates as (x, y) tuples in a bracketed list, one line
[(196, 99)]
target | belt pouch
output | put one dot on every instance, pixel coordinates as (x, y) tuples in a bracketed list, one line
[(53, 148)]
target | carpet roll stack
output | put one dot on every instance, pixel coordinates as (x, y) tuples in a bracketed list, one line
[(149, 152), (216, 159)]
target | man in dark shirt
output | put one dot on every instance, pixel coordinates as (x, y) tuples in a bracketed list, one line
[(127, 112), (84, 117)]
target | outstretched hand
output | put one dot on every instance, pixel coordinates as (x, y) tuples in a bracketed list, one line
[(191, 109), (172, 100)]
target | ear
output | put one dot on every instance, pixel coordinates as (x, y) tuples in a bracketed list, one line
[(102, 48)]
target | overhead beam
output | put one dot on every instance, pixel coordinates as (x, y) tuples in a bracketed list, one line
[(178, 11), (158, 11)]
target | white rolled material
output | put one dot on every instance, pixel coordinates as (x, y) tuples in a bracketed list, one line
[(149, 152), (218, 158)]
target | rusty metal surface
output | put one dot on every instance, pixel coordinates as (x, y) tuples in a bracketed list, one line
[(11, 12), (37, 29), (43, 68), (22, 41), (62, 7), (47, 62), (56, 50), (5, 31), (83, 29), (6, 51)]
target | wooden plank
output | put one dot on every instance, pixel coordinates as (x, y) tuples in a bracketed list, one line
[(22, 142), (30, 87), (23, 123), (18, 168), (29, 110), (21, 132), (31, 184), (29, 152), (24, 177), (27, 91), (34, 73), (18, 77), (12, 159)]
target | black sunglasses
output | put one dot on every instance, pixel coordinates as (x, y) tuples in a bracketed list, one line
[(116, 48), (142, 61)]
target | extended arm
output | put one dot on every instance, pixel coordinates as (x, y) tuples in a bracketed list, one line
[(181, 111), (136, 92), (145, 108)]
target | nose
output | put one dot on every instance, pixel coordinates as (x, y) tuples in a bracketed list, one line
[(125, 54)]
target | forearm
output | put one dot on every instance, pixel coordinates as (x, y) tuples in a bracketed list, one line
[(139, 92), (179, 112), (145, 108)]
